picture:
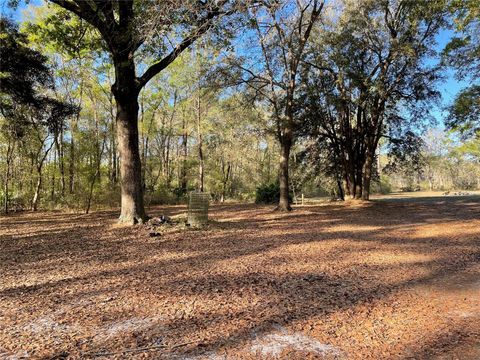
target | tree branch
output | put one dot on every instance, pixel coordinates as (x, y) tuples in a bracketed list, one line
[(84, 11), (202, 26)]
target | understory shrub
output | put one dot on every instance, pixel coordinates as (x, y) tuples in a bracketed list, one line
[(267, 193), (382, 185)]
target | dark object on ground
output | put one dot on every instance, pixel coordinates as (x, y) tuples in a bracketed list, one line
[(154, 223), (157, 221)]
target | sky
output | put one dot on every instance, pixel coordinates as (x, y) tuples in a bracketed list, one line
[(448, 89), (451, 85)]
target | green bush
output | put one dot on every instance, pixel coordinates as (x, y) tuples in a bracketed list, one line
[(382, 186), (162, 196), (267, 193)]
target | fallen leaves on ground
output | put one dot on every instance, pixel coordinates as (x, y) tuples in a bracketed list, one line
[(381, 280)]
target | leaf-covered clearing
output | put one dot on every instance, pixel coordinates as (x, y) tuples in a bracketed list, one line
[(382, 280)]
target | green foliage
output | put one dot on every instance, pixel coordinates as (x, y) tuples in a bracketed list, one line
[(181, 110), (447, 164), (464, 115), (463, 50), (382, 185), (267, 193), (23, 73), (58, 31), (164, 196)]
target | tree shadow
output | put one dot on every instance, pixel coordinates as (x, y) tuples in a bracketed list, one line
[(262, 269)]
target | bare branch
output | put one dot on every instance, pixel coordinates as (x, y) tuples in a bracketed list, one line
[(202, 26)]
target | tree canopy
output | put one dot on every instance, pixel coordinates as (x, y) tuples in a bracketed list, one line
[(138, 102)]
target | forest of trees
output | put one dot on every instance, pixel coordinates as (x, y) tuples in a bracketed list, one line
[(132, 103)]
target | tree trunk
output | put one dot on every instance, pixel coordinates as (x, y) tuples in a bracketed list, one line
[(5, 188), (126, 92), (7, 175), (130, 167), (285, 146), (338, 176), (346, 186), (98, 154), (167, 163), (52, 194), (95, 176), (36, 196), (226, 177), (201, 165), (39, 167), (359, 180), (5, 199), (371, 148), (113, 147), (73, 130), (341, 195), (367, 175), (32, 166), (183, 174), (350, 187), (61, 163), (71, 168), (168, 144), (349, 173), (143, 156)]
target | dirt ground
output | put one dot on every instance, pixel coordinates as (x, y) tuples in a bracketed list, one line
[(388, 279)]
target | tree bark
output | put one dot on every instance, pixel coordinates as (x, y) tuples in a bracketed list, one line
[(367, 175), (39, 166), (95, 176), (126, 93), (143, 155), (338, 175), (7, 175), (201, 164), (130, 167), (341, 195), (61, 163), (359, 181), (349, 177), (52, 194), (285, 146), (113, 145), (5, 188), (370, 149), (183, 173), (225, 178), (73, 130), (36, 196), (71, 168)]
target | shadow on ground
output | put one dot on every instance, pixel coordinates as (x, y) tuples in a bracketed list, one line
[(368, 279)]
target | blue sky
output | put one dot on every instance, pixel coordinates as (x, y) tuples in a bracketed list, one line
[(449, 88), (451, 85)]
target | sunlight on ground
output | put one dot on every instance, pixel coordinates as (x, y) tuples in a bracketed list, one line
[(391, 279)]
